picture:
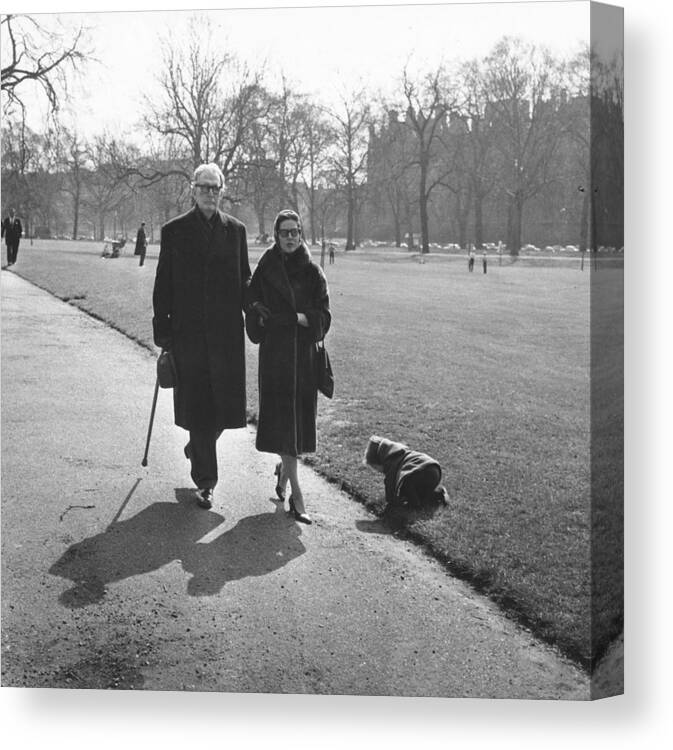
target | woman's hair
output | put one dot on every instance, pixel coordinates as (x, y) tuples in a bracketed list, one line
[(284, 215)]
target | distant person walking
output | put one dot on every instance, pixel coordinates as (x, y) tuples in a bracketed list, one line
[(470, 260), (288, 314), (484, 260), (12, 231), (199, 297), (141, 244), (331, 254)]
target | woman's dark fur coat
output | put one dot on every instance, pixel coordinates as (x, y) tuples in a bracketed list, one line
[(288, 398)]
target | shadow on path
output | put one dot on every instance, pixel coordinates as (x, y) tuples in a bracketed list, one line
[(394, 520), (165, 532)]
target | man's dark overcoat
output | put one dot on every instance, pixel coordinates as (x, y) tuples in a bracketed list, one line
[(141, 242), (199, 297), (288, 395), (12, 231)]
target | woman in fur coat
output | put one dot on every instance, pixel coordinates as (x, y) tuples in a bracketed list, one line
[(288, 314)]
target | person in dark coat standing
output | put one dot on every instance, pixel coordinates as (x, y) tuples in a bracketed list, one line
[(288, 314), (141, 244), (12, 231), (199, 297)]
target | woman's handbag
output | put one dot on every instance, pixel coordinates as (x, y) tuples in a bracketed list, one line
[(324, 374), (166, 372)]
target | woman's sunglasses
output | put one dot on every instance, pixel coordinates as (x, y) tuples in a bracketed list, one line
[(285, 233)]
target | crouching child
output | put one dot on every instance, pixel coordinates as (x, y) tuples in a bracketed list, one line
[(409, 476)]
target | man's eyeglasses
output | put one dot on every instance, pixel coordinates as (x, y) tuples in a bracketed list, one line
[(204, 189), (285, 233)]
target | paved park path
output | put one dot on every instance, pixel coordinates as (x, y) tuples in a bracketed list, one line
[(112, 577)]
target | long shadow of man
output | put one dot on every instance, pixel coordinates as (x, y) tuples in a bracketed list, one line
[(165, 532)]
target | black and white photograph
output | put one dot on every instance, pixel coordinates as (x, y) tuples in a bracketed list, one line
[(312, 352)]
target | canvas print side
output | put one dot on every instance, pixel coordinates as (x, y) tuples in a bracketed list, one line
[(605, 202)]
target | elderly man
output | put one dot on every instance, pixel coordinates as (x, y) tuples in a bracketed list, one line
[(199, 296)]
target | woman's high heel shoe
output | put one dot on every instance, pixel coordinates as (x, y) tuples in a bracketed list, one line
[(301, 517), (279, 490)]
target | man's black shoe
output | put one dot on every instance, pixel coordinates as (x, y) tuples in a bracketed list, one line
[(204, 498)]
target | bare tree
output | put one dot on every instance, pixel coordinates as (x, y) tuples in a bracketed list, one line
[(317, 137), (523, 84), (260, 177), (477, 145), (280, 127), (327, 205), (428, 103), (391, 174), (33, 53), (349, 160), (461, 189), (190, 108), (29, 178), (208, 106), (285, 156), (299, 152), (106, 189), (72, 160)]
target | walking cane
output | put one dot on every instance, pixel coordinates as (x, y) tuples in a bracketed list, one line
[(149, 430)]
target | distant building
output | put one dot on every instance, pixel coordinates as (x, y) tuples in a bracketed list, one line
[(471, 157)]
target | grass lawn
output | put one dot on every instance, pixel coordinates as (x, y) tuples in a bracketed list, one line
[(490, 374)]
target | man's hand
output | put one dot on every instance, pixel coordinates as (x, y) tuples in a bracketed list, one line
[(261, 310)]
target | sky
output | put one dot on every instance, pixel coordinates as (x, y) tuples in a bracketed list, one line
[(323, 50)]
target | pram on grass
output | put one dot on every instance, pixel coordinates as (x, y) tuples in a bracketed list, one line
[(112, 248)]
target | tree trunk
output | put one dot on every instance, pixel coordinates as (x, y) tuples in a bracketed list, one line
[(281, 184), (350, 244), (311, 214), (260, 212), (514, 225), (75, 221), (423, 209), (510, 237), (356, 222), (517, 225), (295, 197), (478, 220), (584, 222), (462, 230), (410, 228), (398, 231)]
